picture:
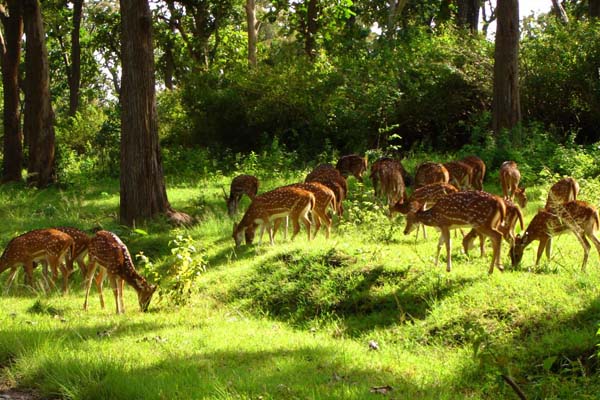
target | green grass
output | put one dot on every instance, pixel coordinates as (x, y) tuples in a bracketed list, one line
[(294, 321)]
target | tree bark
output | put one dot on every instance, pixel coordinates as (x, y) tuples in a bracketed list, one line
[(75, 75), (252, 28), (39, 116), (560, 12), (11, 56), (506, 106), (310, 39), (468, 14), (594, 6), (143, 191)]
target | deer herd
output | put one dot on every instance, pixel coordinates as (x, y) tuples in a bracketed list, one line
[(446, 196)]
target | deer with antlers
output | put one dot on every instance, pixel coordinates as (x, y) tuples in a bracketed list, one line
[(109, 253), (352, 164), (270, 206), (561, 192), (576, 216), (48, 246), (482, 211), (240, 185), (509, 179), (478, 167)]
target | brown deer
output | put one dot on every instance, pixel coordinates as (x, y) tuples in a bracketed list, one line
[(327, 175), (387, 161), (430, 172), (49, 246), (324, 198), (576, 216), (479, 210), (507, 228), (509, 179), (461, 174), (387, 180), (561, 192), (240, 185), (423, 198), (352, 164), (478, 171), (108, 252), (267, 207)]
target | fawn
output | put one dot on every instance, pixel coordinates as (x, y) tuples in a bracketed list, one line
[(561, 192)]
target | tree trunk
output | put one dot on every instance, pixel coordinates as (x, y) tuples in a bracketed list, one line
[(560, 12), (75, 75), (252, 28), (143, 192), (312, 14), (39, 117), (11, 56), (395, 8), (468, 14), (506, 107), (594, 6)]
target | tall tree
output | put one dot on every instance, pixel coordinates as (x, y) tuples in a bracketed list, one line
[(560, 12), (11, 57), (310, 27), (252, 26), (506, 105), (143, 191), (468, 14), (594, 6), (39, 116), (74, 74)]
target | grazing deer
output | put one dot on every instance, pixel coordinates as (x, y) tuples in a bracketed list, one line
[(423, 198), (461, 174), (240, 185), (387, 181), (430, 172), (387, 161), (507, 228), (50, 246), (479, 210), (110, 253), (576, 216), (561, 192), (267, 207), (478, 171), (352, 164), (327, 175), (509, 179)]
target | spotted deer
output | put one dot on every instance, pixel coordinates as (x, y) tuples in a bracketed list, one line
[(479, 210), (461, 174), (352, 164), (48, 246), (478, 171), (561, 192), (388, 181), (423, 198), (240, 185), (507, 228), (327, 175), (267, 207), (390, 163), (509, 179), (430, 172), (109, 253), (576, 216)]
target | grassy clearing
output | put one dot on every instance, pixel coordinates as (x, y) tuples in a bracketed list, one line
[(295, 320)]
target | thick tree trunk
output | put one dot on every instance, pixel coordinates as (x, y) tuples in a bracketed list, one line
[(594, 6), (506, 113), (143, 192), (11, 56), (39, 117), (310, 40), (468, 14), (252, 26), (75, 75), (560, 12)]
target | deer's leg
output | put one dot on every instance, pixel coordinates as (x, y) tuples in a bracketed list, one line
[(549, 248), (586, 248), (99, 281), (112, 278), (448, 242), (28, 266), (11, 278), (120, 287), (543, 245), (88, 282), (65, 272), (467, 241)]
